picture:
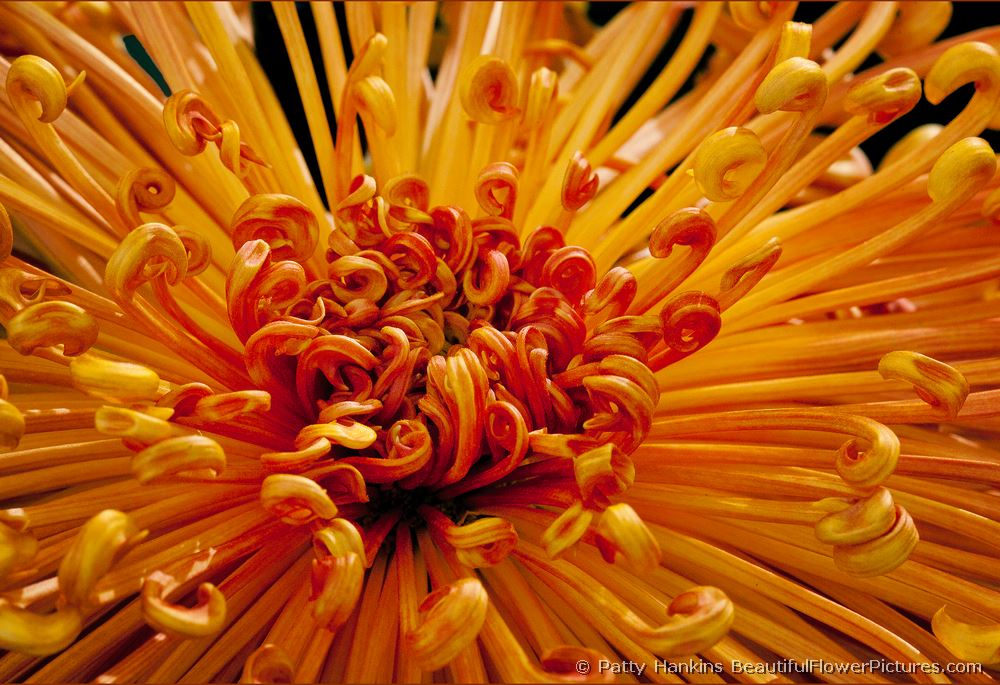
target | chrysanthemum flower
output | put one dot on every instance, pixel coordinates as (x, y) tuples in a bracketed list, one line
[(533, 380)]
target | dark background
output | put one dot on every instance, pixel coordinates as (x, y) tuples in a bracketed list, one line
[(966, 16)]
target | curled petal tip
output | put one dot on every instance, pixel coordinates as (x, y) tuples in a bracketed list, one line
[(147, 252), (969, 62), (937, 383), (374, 97), (621, 531), (186, 454), (602, 473), (51, 323), (337, 581), (542, 93), (794, 85), (114, 381), (102, 541), (268, 663), (977, 641), (34, 634), (884, 97), (727, 162), (206, 618), (567, 529), (488, 90), (296, 499), (287, 225), (579, 184), (702, 617), (882, 554), (962, 171), (852, 523), (452, 617), (31, 78)]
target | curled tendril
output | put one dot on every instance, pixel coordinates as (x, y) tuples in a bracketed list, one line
[(199, 251), (579, 184), (488, 279), (369, 57), (188, 118), (961, 171), (794, 85), (128, 423), (488, 90), (206, 618), (373, 98), (114, 381), (612, 295), (567, 529), (451, 618), (31, 79), (968, 62), (296, 499), (621, 406), (571, 271), (47, 324), (496, 189), (34, 634), (690, 321), (602, 473), (451, 231), (621, 531), (742, 276), (147, 252), (462, 385), (727, 162), (936, 383), (189, 454), (858, 520), (143, 190), (484, 542), (884, 97), (269, 663), (689, 227), (283, 222), (882, 554), (102, 541), (413, 259), (337, 573), (977, 641), (696, 619), (407, 190), (542, 92), (354, 277), (917, 25), (191, 124)]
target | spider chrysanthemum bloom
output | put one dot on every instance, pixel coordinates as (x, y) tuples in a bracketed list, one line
[(535, 381)]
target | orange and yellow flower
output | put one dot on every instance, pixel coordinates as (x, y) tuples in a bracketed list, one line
[(534, 382)]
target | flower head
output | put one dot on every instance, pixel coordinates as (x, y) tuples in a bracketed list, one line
[(530, 378)]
